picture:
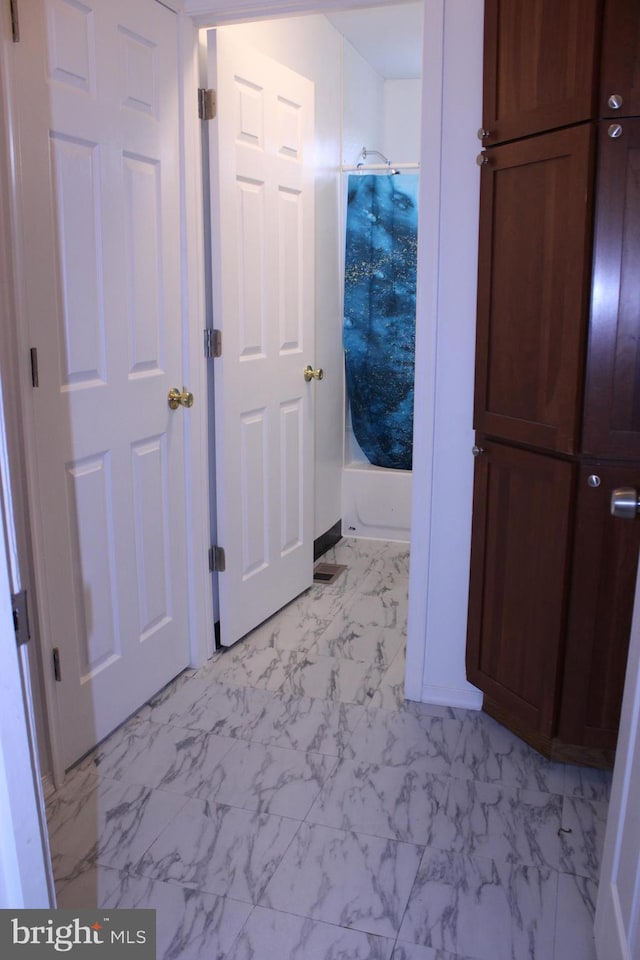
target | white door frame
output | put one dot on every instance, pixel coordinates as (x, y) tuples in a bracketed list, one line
[(214, 13), (201, 610)]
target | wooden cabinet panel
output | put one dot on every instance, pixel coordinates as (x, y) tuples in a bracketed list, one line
[(612, 390), (517, 600), (604, 564), (540, 65), (533, 279), (620, 72), (557, 370)]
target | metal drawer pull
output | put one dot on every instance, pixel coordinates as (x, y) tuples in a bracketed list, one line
[(625, 503)]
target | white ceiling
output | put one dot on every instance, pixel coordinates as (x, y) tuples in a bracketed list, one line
[(390, 38)]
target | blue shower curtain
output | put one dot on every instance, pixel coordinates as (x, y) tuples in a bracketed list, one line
[(379, 314)]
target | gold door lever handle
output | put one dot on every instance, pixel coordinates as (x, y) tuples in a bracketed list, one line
[(311, 374), (177, 399)]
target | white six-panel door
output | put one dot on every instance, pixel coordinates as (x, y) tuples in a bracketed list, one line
[(263, 276), (96, 105)]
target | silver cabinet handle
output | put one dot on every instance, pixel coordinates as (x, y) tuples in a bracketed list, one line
[(615, 101), (625, 503)]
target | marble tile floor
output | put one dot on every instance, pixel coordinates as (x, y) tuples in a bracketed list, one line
[(285, 802)]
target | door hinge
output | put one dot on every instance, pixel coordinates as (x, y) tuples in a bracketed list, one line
[(57, 672), (21, 617), (206, 104), (35, 380), (217, 560), (212, 343), (15, 23)]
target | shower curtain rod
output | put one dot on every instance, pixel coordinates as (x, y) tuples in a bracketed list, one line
[(387, 165), (379, 166), (365, 153)]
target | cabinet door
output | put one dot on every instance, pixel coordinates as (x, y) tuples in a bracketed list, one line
[(533, 279), (540, 59), (612, 393), (605, 557), (519, 554), (620, 72)]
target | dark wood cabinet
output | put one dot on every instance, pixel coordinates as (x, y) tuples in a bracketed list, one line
[(557, 394), (533, 281), (612, 390), (620, 71), (603, 574), (521, 537), (541, 61)]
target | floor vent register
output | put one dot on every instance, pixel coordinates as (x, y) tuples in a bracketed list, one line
[(328, 572)]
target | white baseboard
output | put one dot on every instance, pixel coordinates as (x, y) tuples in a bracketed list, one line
[(467, 697)]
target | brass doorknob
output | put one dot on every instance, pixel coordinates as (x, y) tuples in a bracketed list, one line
[(311, 374), (177, 399)]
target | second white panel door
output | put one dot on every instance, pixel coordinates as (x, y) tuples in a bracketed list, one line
[(263, 275)]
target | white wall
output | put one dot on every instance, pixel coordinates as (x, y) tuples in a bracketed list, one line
[(312, 47), (445, 348), (362, 106), (402, 107)]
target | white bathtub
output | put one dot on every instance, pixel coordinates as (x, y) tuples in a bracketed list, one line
[(376, 502)]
